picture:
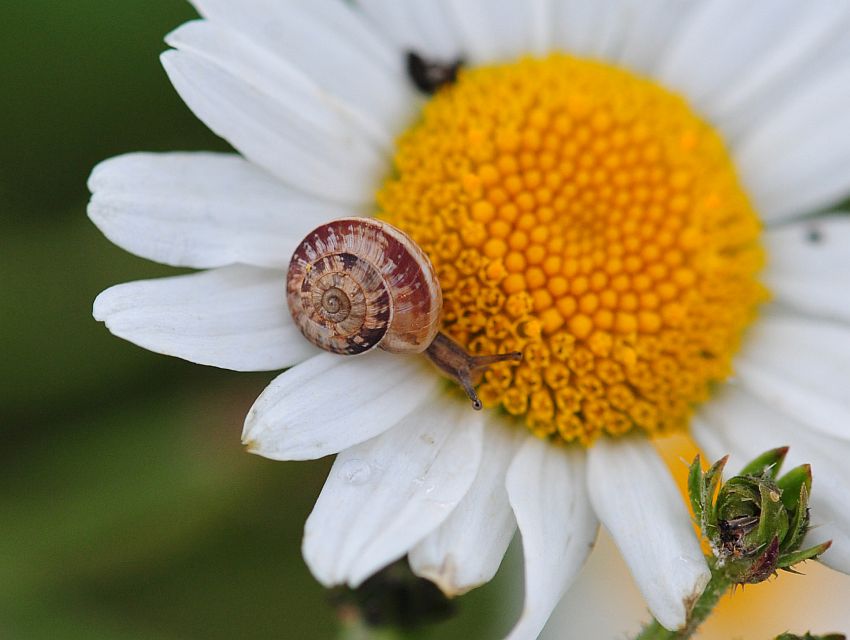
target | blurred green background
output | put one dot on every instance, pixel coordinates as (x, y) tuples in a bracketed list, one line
[(128, 508)]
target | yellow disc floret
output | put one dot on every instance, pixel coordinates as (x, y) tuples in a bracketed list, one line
[(588, 218)]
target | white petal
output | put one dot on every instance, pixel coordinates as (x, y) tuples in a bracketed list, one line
[(423, 27), (467, 549), (233, 317), (245, 59), (593, 29), (794, 161), (201, 210), (320, 151), (548, 492), (331, 44), (734, 422), (650, 26), (791, 46), (332, 402), (602, 603), (838, 555), (742, 51), (386, 494), (809, 263), (826, 49), (499, 31), (801, 367), (539, 17), (636, 499)]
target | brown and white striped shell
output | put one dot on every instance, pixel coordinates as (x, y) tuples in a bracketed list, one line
[(359, 283)]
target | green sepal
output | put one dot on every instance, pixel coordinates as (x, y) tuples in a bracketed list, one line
[(767, 464), (809, 636), (811, 553), (799, 524), (791, 482), (773, 520), (710, 482), (695, 490)]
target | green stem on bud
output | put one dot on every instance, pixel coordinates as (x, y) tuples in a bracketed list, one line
[(717, 586)]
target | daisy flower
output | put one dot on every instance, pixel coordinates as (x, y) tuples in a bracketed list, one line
[(614, 188)]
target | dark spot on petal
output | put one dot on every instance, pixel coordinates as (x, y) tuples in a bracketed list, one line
[(814, 235)]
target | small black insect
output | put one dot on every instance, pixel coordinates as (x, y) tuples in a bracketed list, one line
[(732, 534), (429, 76)]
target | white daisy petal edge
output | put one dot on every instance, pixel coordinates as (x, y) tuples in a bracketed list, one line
[(801, 366), (636, 499), (467, 549), (332, 159), (330, 403), (808, 265), (756, 47), (201, 210), (384, 495), (651, 25), (547, 490), (242, 57), (370, 80), (233, 317), (791, 161), (738, 423), (592, 29), (496, 31), (423, 27)]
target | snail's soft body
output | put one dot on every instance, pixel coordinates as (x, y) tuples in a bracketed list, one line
[(355, 284)]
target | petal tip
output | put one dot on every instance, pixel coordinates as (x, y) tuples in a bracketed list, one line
[(444, 577), (173, 37), (100, 307), (251, 446), (168, 60)]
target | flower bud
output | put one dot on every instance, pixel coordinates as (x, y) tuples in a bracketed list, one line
[(754, 522)]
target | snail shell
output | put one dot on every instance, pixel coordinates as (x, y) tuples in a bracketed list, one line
[(359, 283)]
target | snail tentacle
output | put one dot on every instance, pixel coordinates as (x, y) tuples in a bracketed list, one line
[(450, 358)]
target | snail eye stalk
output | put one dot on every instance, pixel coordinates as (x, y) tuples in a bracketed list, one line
[(450, 358)]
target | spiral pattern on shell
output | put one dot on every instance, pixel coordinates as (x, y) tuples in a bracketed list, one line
[(358, 283)]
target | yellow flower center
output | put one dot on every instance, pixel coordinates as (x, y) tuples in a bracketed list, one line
[(588, 218)]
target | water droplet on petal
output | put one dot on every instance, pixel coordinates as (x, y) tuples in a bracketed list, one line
[(355, 472)]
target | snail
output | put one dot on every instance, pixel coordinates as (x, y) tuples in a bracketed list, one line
[(355, 284)]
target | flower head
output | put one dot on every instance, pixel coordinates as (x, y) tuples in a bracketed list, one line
[(587, 217), (608, 187)]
